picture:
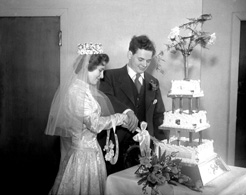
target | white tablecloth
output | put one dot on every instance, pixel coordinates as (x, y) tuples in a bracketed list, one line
[(232, 182)]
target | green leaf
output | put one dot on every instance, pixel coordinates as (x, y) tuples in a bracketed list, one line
[(154, 160), (172, 182), (163, 156), (173, 154), (177, 161), (142, 180)]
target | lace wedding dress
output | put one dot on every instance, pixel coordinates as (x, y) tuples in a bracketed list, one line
[(82, 168)]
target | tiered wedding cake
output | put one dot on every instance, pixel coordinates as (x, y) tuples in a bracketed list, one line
[(187, 118), (191, 120)]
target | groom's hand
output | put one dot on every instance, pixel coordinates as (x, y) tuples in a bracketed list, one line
[(132, 121)]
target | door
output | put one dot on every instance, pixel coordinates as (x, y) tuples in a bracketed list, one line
[(29, 76), (240, 154)]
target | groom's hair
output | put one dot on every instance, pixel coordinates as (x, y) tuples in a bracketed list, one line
[(141, 42)]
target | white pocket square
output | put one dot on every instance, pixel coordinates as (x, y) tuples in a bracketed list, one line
[(154, 101)]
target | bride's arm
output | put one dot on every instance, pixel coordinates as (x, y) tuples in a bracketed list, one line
[(97, 123), (82, 106)]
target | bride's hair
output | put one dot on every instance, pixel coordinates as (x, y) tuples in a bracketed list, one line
[(96, 60)]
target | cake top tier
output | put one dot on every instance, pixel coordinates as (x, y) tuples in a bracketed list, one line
[(189, 88)]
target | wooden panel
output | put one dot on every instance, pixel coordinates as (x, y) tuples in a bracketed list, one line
[(29, 76)]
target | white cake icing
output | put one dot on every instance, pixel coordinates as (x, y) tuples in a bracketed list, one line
[(185, 120), (186, 87), (190, 155), (190, 151)]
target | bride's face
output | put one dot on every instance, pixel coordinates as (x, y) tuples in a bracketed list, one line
[(95, 75)]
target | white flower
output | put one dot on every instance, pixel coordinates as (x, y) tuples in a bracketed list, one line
[(109, 151), (107, 157), (174, 33), (111, 145), (212, 39)]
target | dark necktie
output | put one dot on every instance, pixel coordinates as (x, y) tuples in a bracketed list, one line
[(137, 82)]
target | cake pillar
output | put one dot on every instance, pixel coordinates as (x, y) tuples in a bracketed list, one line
[(190, 105), (197, 104), (178, 140), (200, 137), (173, 105), (190, 137), (181, 104)]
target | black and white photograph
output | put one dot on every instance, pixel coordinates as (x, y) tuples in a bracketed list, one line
[(110, 97)]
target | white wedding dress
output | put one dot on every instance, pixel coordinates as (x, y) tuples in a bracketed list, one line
[(82, 168)]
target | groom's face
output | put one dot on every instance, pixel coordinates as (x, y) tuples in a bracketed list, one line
[(140, 61)]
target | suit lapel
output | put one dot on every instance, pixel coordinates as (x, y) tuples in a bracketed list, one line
[(125, 84), (149, 94)]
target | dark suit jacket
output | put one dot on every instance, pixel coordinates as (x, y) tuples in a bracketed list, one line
[(116, 85)]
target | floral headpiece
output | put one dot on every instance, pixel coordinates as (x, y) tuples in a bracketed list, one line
[(90, 48)]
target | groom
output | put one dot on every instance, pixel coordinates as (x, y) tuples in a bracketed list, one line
[(135, 92)]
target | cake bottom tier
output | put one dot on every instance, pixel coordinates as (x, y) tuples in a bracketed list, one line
[(191, 154)]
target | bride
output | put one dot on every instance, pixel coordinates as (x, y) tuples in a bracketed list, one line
[(79, 111)]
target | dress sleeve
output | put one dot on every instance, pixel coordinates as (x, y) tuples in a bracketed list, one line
[(88, 112), (98, 123)]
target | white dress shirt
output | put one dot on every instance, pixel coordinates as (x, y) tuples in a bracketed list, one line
[(132, 75)]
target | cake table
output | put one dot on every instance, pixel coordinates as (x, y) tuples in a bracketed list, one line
[(125, 183)]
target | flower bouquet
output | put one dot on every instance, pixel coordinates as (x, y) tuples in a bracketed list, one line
[(156, 171), (110, 155)]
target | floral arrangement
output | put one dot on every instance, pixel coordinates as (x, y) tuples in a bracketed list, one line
[(186, 37), (192, 36), (155, 172)]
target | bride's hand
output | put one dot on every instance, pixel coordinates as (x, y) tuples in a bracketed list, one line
[(132, 121), (125, 121)]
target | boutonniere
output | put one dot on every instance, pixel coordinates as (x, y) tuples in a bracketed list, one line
[(154, 101), (153, 85)]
